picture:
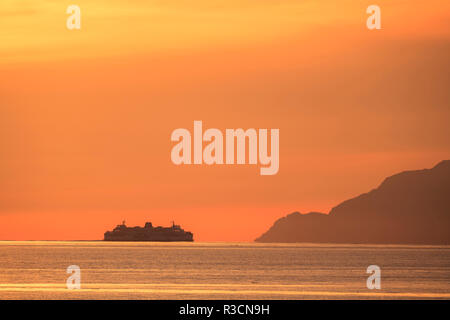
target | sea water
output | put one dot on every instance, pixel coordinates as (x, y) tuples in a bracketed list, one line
[(156, 270)]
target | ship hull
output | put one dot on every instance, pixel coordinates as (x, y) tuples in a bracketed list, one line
[(148, 237)]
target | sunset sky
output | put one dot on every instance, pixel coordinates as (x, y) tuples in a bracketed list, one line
[(86, 115)]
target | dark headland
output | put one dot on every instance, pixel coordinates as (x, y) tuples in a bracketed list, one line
[(412, 207)]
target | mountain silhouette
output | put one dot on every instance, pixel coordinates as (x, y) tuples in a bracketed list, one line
[(412, 207)]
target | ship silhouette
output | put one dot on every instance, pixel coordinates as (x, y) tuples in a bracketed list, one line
[(148, 233)]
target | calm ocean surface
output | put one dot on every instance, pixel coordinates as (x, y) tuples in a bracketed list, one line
[(37, 270)]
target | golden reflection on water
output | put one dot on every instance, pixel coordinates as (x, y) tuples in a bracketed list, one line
[(187, 289)]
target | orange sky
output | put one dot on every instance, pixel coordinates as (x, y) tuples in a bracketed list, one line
[(86, 116)]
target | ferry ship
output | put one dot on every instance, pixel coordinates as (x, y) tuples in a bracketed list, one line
[(148, 233)]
